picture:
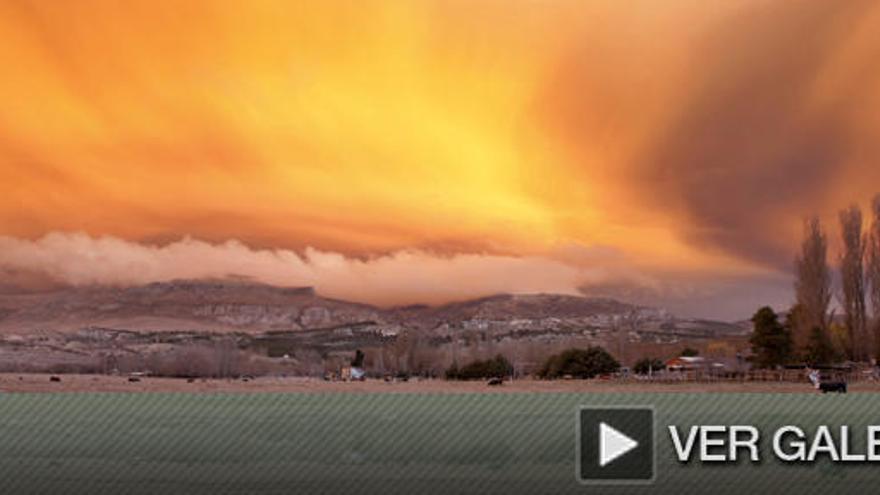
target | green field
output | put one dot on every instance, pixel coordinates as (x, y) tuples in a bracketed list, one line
[(382, 443)]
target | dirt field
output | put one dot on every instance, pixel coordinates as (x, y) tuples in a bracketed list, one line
[(99, 383)]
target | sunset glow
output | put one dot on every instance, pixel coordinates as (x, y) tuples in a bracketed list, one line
[(665, 134)]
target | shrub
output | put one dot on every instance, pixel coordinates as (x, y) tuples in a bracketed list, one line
[(579, 363), (647, 365), (498, 366)]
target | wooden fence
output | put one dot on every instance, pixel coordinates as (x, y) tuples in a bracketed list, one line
[(786, 375)]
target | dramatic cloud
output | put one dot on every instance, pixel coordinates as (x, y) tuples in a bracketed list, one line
[(405, 277), (401, 278), (727, 130), (422, 151), (760, 140)]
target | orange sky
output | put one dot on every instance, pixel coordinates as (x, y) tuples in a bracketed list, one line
[(669, 133)]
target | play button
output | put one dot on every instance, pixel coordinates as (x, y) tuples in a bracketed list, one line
[(615, 445)]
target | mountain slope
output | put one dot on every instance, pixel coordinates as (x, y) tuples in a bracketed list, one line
[(179, 305), (229, 305)]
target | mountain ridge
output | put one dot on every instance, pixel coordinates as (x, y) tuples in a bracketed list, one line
[(236, 305)]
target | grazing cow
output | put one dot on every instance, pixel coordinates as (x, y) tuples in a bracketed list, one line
[(495, 382), (825, 387), (54, 378), (839, 387), (134, 379)]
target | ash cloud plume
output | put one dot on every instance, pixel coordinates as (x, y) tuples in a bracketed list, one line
[(758, 142)]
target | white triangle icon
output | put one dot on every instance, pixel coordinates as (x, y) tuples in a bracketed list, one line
[(613, 444)]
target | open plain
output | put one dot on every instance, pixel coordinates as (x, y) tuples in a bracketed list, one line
[(26, 383)]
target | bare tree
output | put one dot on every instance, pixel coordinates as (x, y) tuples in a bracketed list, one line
[(813, 283), (228, 358), (618, 333), (873, 273), (402, 350), (852, 277)]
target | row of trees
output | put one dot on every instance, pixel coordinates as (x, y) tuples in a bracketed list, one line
[(497, 367), (811, 332), (576, 363)]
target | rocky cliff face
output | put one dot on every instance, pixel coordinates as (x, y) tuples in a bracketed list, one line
[(101, 328), (234, 306), (180, 305), (510, 307)]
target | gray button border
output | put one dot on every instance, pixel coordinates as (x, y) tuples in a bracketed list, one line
[(619, 482)]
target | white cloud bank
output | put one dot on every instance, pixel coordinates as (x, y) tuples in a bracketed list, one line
[(403, 277)]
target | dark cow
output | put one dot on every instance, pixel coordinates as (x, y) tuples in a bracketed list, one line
[(826, 386), (839, 387)]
